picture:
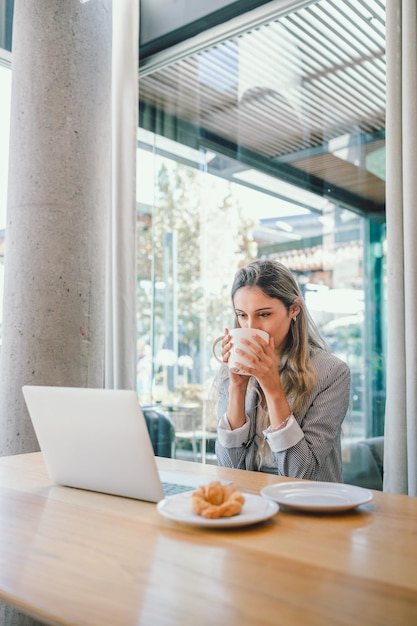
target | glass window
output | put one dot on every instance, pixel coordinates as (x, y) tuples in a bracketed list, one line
[(5, 90), (264, 145), (6, 23), (196, 230)]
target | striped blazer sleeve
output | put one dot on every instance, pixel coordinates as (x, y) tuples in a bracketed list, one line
[(317, 456)]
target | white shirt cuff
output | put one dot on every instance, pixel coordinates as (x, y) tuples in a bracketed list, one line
[(287, 437), (229, 438)]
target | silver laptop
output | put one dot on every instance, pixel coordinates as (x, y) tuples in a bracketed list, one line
[(97, 439)]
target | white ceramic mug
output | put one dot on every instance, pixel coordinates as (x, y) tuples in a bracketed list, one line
[(237, 334)]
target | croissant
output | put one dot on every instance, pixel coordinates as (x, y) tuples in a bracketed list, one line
[(216, 500)]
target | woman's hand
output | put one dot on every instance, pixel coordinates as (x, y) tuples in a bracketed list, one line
[(263, 362), (237, 380)]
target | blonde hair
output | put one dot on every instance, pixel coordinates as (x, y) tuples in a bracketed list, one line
[(276, 281)]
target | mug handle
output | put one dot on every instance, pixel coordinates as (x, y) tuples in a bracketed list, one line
[(213, 348)]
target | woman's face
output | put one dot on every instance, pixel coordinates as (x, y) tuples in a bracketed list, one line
[(254, 309)]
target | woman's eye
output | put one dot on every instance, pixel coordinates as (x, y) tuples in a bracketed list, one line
[(264, 314)]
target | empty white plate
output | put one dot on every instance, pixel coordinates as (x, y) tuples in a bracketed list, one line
[(317, 496)]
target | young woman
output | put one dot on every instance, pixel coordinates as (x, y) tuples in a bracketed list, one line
[(286, 416)]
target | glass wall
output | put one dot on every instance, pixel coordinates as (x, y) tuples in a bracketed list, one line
[(195, 230), (6, 22), (5, 90), (270, 145)]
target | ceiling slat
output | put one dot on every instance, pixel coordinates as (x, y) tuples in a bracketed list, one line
[(286, 86)]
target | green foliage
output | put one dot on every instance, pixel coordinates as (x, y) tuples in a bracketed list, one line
[(188, 249)]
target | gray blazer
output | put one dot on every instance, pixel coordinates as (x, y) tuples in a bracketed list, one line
[(318, 455)]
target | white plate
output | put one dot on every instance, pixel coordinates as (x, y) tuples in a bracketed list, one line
[(256, 509), (317, 496)]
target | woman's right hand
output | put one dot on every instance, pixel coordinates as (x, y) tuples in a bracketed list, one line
[(236, 380), (226, 345)]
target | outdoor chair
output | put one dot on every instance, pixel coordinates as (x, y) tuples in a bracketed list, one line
[(363, 463), (161, 431)]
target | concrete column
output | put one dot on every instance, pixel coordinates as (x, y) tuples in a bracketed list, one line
[(58, 205)]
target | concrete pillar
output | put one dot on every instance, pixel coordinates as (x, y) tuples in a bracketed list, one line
[(58, 205)]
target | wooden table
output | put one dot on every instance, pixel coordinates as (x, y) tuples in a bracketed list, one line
[(75, 557)]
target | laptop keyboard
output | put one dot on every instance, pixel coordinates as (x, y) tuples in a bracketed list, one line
[(171, 489)]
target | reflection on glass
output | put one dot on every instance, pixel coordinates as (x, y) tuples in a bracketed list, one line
[(267, 144), (193, 238), (5, 90)]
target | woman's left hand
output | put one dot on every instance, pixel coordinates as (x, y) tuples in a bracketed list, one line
[(263, 362)]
